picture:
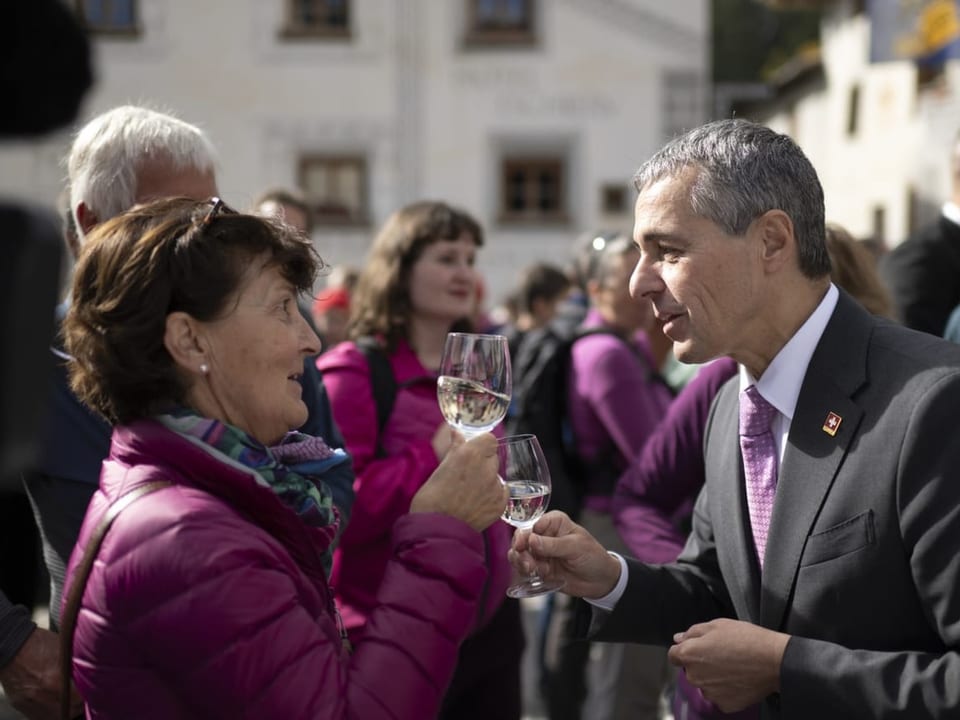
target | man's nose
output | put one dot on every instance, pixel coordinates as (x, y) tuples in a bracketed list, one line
[(645, 281)]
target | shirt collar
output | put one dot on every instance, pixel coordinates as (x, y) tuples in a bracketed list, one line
[(951, 211), (781, 381)]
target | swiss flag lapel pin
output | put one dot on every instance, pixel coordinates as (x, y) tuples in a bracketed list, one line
[(832, 424)]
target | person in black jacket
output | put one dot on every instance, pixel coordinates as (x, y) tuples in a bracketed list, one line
[(45, 70), (923, 272)]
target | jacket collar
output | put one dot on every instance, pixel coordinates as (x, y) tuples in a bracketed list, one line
[(153, 450)]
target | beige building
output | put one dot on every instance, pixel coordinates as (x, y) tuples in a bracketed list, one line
[(532, 114), (878, 133)]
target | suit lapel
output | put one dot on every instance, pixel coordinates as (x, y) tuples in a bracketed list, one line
[(813, 456)]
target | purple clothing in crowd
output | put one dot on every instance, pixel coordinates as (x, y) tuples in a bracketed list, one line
[(209, 600), (612, 403)]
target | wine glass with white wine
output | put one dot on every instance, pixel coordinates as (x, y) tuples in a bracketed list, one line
[(474, 386), (523, 469)]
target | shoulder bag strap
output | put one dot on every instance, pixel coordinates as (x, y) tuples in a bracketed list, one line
[(382, 381), (68, 622)]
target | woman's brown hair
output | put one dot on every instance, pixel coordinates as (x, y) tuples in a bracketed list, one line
[(135, 269), (381, 301), (854, 268)]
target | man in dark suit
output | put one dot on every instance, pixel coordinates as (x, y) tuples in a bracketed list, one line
[(923, 272), (843, 601)]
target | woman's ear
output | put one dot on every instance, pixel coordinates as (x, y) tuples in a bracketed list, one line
[(185, 345)]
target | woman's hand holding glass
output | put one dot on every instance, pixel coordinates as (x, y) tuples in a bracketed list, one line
[(465, 485), (475, 382), (524, 471)]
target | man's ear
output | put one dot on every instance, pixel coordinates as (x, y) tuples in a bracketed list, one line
[(184, 343), (87, 219), (778, 244)]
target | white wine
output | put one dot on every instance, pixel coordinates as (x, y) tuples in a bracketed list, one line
[(528, 501), (469, 406)]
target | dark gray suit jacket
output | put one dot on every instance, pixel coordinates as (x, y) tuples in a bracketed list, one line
[(863, 556)]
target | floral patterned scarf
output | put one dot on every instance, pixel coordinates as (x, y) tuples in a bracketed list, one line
[(293, 469)]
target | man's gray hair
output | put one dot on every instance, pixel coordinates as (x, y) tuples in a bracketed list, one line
[(107, 153), (744, 170)]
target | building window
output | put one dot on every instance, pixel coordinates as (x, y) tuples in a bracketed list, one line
[(853, 111), (880, 224), (913, 210), (533, 190), (317, 18), (500, 22), (683, 102), (613, 198), (109, 16), (336, 188)]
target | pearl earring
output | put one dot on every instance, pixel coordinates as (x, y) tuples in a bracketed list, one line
[(204, 368)]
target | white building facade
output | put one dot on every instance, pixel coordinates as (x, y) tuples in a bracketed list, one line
[(532, 115), (879, 134)]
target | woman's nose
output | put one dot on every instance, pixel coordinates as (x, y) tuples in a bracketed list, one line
[(309, 338)]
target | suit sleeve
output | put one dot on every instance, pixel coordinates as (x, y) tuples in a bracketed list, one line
[(15, 627), (821, 678), (660, 600), (384, 486)]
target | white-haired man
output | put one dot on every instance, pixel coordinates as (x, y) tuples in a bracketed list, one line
[(123, 157)]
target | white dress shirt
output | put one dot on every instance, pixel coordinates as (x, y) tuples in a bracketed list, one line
[(951, 211), (779, 386)]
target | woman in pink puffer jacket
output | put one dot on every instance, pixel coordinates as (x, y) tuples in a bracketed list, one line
[(208, 597)]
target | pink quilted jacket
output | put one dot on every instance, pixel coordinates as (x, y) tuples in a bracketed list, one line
[(385, 485), (208, 600)]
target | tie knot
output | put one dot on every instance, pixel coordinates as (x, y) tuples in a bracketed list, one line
[(756, 414)]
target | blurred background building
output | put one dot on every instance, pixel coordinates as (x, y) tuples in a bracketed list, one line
[(530, 114), (876, 106)]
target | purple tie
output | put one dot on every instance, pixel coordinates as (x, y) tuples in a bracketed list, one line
[(759, 450)]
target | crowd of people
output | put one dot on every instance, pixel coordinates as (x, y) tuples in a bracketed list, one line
[(240, 517)]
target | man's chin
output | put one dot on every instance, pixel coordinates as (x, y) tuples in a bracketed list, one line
[(685, 352)]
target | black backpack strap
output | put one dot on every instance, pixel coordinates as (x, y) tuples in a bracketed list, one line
[(382, 382)]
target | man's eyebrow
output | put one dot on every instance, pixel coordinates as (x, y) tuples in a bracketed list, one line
[(658, 237)]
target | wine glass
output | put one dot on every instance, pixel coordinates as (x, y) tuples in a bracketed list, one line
[(474, 386), (523, 469)]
